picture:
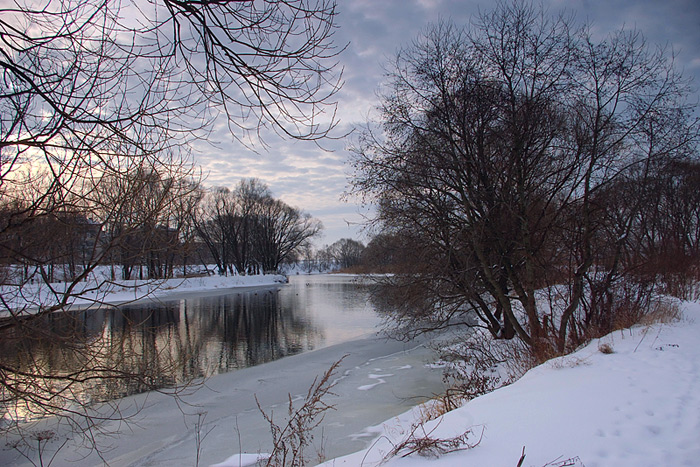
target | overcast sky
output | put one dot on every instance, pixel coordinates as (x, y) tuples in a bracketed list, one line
[(314, 179)]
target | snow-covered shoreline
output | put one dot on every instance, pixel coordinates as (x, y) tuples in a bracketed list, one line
[(631, 398), (99, 292), (191, 286)]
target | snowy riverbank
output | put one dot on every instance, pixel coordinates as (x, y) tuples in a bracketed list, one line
[(636, 406), (98, 291)]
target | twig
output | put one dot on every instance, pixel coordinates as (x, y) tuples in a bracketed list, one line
[(522, 458)]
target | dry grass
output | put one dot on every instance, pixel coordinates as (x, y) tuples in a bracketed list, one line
[(567, 361), (291, 439), (662, 311), (452, 399)]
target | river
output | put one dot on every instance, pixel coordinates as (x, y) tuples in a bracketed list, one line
[(250, 347)]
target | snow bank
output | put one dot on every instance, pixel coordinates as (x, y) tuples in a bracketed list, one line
[(97, 291), (637, 406)]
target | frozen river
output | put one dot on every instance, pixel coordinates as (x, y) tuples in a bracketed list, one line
[(202, 334), (277, 341)]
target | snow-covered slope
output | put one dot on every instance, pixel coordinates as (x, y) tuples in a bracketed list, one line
[(637, 406)]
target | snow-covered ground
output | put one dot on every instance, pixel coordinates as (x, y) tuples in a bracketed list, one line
[(637, 406), (97, 290)]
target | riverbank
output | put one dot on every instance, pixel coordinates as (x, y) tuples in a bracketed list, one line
[(628, 399), (631, 398), (98, 291)]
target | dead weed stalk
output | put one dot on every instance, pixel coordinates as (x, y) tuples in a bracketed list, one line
[(422, 442), (291, 439)]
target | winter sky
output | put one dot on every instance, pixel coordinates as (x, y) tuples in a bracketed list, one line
[(314, 178)]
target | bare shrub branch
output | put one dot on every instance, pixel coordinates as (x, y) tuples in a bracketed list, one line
[(420, 442), (291, 439)]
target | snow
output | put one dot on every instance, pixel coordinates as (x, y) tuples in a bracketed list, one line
[(242, 460), (637, 406), (97, 290), (379, 378)]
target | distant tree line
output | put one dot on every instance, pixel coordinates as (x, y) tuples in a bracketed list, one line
[(150, 224), (345, 255)]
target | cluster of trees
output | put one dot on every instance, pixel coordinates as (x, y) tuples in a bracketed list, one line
[(155, 225), (131, 221), (246, 230), (345, 253), (147, 231), (525, 155)]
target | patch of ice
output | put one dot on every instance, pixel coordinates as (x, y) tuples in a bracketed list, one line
[(242, 460)]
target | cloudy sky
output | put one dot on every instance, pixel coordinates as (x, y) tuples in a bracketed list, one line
[(314, 178)]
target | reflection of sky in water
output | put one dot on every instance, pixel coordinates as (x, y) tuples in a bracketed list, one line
[(202, 336), (339, 306)]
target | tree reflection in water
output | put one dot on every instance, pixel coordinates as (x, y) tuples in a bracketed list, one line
[(168, 343)]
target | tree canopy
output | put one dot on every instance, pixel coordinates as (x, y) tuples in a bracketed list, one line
[(500, 160)]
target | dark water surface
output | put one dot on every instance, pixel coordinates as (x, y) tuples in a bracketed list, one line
[(176, 341)]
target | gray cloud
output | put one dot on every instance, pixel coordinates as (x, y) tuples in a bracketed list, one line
[(314, 178)]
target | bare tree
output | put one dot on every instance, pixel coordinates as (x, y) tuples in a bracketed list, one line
[(226, 224), (249, 231), (498, 143), (281, 232), (223, 224), (99, 101), (145, 229), (347, 252), (250, 194), (212, 224), (384, 253)]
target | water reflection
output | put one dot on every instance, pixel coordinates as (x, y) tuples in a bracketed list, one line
[(172, 342)]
